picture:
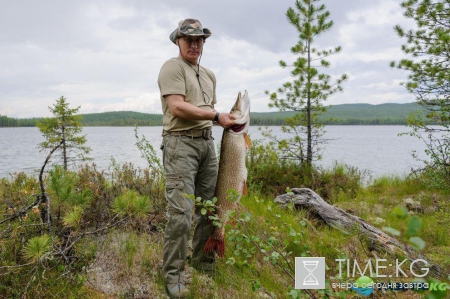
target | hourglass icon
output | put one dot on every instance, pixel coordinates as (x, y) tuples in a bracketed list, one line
[(310, 279)]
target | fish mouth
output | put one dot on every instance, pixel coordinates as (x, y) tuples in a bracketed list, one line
[(238, 128), (241, 110)]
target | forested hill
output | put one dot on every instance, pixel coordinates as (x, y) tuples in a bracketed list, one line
[(346, 114), (349, 114), (122, 118)]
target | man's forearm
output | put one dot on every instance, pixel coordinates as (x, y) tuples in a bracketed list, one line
[(188, 111), (179, 108)]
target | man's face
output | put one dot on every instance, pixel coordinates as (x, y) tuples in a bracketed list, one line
[(191, 48)]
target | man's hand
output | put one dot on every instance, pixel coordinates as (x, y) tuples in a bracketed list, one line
[(226, 120)]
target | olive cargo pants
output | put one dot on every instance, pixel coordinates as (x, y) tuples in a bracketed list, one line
[(190, 166)]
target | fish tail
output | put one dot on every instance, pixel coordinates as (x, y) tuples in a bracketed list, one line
[(213, 244)]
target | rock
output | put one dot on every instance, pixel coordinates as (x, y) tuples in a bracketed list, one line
[(413, 206)]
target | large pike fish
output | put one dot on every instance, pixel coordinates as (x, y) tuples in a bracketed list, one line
[(232, 170)]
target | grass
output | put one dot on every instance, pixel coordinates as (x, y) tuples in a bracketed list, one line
[(320, 240), (125, 262)]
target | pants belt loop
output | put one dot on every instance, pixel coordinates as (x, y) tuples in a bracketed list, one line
[(207, 134)]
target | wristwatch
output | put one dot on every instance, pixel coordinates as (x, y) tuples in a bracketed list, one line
[(216, 117)]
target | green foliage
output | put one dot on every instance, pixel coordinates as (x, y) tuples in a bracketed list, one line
[(435, 175), (264, 240), (208, 207), (246, 271), (267, 172), (131, 203), (428, 80), (270, 238), (409, 231), (37, 248), (144, 181), (63, 183), (396, 185), (272, 175), (443, 212), (81, 204), (148, 152), (272, 242), (429, 75), (339, 180), (62, 130), (310, 88), (413, 226), (73, 218)]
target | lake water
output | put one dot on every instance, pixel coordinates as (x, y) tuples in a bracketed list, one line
[(377, 149)]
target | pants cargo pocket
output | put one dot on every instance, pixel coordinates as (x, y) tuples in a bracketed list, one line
[(174, 194)]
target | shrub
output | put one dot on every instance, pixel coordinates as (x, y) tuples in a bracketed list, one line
[(40, 259), (271, 175)]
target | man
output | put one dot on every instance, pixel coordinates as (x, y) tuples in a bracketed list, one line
[(190, 164)]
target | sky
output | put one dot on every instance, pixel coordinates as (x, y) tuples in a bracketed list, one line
[(106, 55)]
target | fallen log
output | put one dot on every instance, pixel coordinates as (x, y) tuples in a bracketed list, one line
[(306, 198)]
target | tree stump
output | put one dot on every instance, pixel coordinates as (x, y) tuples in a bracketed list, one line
[(306, 198)]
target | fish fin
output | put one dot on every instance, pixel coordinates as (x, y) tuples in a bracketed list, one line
[(244, 188), (248, 142), (213, 244)]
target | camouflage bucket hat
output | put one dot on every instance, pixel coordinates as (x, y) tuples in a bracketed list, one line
[(189, 27)]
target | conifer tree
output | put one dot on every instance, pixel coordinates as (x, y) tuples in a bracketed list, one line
[(429, 80), (64, 127), (309, 88)]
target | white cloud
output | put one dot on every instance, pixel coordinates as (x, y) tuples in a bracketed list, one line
[(106, 55), (148, 102), (380, 12)]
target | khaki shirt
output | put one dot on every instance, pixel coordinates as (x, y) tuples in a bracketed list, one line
[(178, 77)]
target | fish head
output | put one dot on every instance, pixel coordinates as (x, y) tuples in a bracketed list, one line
[(241, 110)]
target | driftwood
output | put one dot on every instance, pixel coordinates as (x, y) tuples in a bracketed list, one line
[(380, 241)]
